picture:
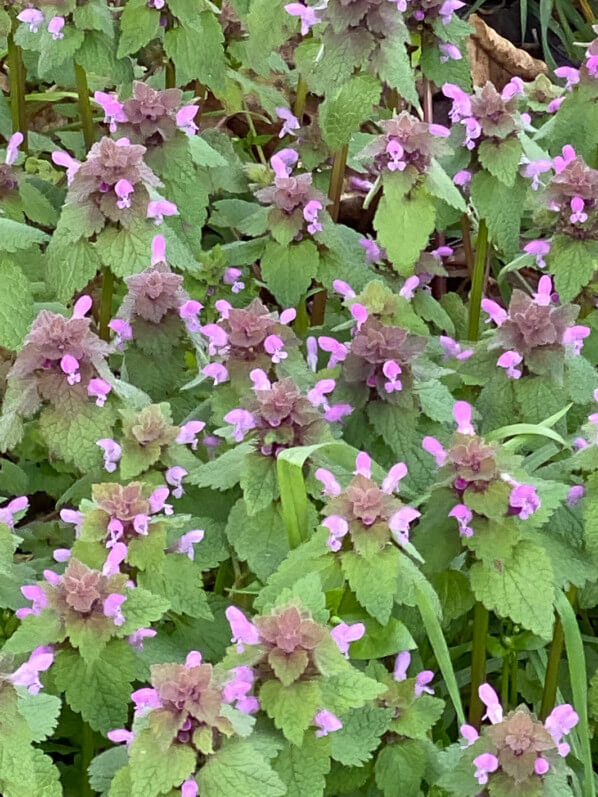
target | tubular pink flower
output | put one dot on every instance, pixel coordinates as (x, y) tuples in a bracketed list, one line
[(338, 527), (27, 674), (462, 412), (311, 345), (157, 501), (31, 17), (218, 338), (194, 659), (395, 154), (338, 351), (290, 122), (539, 249), (115, 558), (559, 723), (373, 253), (121, 736), (524, 498), (61, 554), (12, 150), (74, 517), (449, 52), (185, 119), (463, 515), (497, 314), (331, 486), (569, 74), (434, 447), (326, 723), (260, 379), (337, 412), (71, 165), (158, 208), (317, 395), (453, 349), (137, 638), (534, 169), (359, 313), (345, 290), (242, 420), (112, 607), (409, 288), (470, 734), (123, 189), (217, 372), (391, 371), (174, 477), (575, 494), (158, 249), (141, 524), (363, 465), (70, 366), (99, 389), (231, 277), (189, 312), (55, 26), (462, 178), (574, 337), (36, 594), (422, 680), (484, 764), (188, 433), (185, 543), (344, 634), (8, 512), (307, 15), (244, 632), (113, 109), (310, 214), (145, 699), (402, 662), (490, 699), (544, 295), (274, 346), (123, 331), (112, 453), (473, 130), (509, 360), (394, 477), (541, 766), (282, 162), (189, 788), (399, 523)]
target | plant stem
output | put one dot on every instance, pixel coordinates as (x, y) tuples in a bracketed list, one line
[(428, 103), (514, 674), (300, 98), (477, 281), (302, 319), (17, 89), (337, 177), (587, 10), (106, 302), (258, 147), (87, 754), (478, 663), (504, 683), (467, 247), (551, 681), (170, 76), (87, 125)]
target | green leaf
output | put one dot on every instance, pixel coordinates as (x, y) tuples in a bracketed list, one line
[(155, 769), (71, 432), (94, 16), (239, 770), (501, 158), (416, 720), (41, 713), (381, 640), (288, 271), (139, 24), (327, 70), (197, 52), (291, 707), (35, 630), (404, 225), (520, 588), (16, 305), (373, 580), (54, 53), (355, 742), (341, 113), (573, 263), (436, 400), (70, 265), (15, 236), (400, 767), (440, 185), (302, 769), (258, 482), (268, 25), (221, 473), (98, 690), (97, 56), (205, 155), (36, 204), (104, 767), (501, 206), (590, 515), (259, 539), (180, 582), (141, 609), (391, 62), (126, 251)]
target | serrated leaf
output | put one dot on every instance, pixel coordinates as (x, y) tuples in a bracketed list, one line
[(125, 251), (590, 515), (104, 767), (416, 720), (40, 712), (197, 52), (71, 432), (35, 630), (360, 735), (404, 225), (154, 769), (239, 769), (400, 767), (440, 185), (341, 113), (373, 580), (391, 62), (288, 271), (16, 305), (180, 582), (349, 688), (260, 539), (501, 206), (15, 236), (139, 24), (573, 263), (221, 473), (436, 400), (141, 609), (520, 588), (501, 158), (36, 204), (70, 265), (258, 482), (54, 53), (203, 154), (291, 707), (302, 769)]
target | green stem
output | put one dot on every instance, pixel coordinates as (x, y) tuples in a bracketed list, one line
[(551, 681), (170, 76), (17, 89), (258, 147), (300, 98), (504, 682), (106, 302), (87, 754), (467, 247), (301, 324), (514, 674), (478, 663), (222, 577), (85, 112), (477, 281)]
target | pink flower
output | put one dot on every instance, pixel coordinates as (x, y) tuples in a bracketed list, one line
[(244, 632), (337, 412), (55, 26), (290, 122), (185, 543), (578, 216), (440, 131), (575, 494), (311, 345), (27, 674), (31, 17), (274, 345), (61, 554), (36, 594), (326, 723), (449, 52), (399, 523), (463, 515), (310, 214), (158, 208), (409, 288), (373, 253), (331, 486), (282, 162), (70, 366), (317, 395), (12, 150), (395, 154), (402, 662), (185, 117), (136, 641), (462, 178), (574, 337), (541, 766), (569, 74), (344, 634), (307, 15), (461, 101), (123, 331), (338, 351), (123, 189), (534, 169), (189, 311), (231, 277), (121, 736), (560, 162), (242, 420), (509, 360), (422, 680), (113, 109), (174, 477), (485, 764), (555, 104), (559, 723), (473, 130), (338, 527), (218, 338), (64, 159), (112, 608), (453, 349), (189, 788), (539, 249), (158, 249), (363, 465), (99, 389), (490, 699), (514, 88), (74, 517), (288, 316), (145, 699), (157, 501), (194, 659), (8, 512), (434, 447), (141, 524), (216, 371), (188, 433), (448, 8), (393, 479), (260, 380), (236, 691), (342, 287), (391, 371), (497, 314), (470, 734), (115, 558), (462, 412), (525, 499), (112, 453)]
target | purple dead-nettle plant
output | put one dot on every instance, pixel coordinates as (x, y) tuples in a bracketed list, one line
[(404, 691), (61, 361), (517, 750), (149, 117), (296, 203), (278, 416), (535, 332), (113, 182), (364, 516)]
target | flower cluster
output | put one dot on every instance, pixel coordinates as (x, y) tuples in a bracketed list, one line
[(432, 17), (407, 145), (571, 193), (519, 748), (34, 19), (370, 515), (535, 332), (60, 360), (296, 203), (149, 117)]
